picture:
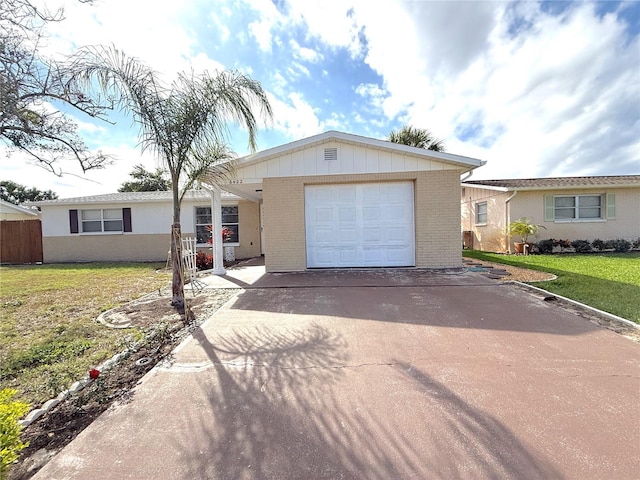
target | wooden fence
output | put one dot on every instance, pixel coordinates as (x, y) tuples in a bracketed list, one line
[(20, 241)]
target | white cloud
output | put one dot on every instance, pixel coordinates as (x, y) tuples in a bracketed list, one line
[(294, 117), (541, 100), (373, 94), (123, 23), (304, 53)]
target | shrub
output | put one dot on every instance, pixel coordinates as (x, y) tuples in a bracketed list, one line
[(599, 245), (581, 246), (204, 261), (620, 245), (545, 246), (562, 244), (10, 429)]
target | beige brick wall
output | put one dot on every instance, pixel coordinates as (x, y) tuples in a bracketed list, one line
[(284, 226), (106, 248), (438, 241), (437, 217)]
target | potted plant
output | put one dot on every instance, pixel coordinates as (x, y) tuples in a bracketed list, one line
[(524, 229)]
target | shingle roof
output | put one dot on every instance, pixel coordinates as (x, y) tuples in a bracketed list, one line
[(129, 197), (560, 182)]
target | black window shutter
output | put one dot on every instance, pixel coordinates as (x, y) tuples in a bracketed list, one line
[(73, 221), (126, 219)]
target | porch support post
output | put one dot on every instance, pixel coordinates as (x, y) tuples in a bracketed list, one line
[(216, 219)]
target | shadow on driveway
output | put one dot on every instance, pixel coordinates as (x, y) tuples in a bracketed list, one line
[(288, 404)]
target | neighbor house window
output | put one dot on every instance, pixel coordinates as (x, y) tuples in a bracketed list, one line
[(481, 213), (577, 207), (229, 220), (101, 220)]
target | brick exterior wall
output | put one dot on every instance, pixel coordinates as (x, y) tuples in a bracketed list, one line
[(437, 217)]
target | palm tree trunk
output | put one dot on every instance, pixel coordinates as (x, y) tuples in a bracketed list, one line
[(177, 280)]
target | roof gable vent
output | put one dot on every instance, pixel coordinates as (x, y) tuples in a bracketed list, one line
[(331, 153)]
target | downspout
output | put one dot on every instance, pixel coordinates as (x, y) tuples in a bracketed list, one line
[(507, 219), (464, 179)]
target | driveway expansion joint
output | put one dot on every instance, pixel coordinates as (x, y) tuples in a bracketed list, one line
[(191, 367)]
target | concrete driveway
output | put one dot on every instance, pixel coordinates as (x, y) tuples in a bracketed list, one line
[(377, 375)]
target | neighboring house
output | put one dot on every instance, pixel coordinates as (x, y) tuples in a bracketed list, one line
[(331, 200), (10, 211), (135, 226), (570, 208)]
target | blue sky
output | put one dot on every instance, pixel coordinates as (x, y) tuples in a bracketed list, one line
[(534, 88)]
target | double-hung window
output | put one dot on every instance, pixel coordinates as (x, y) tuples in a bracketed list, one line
[(481, 213), (203, 224), (229, 221), (577, 207), (101, 220)]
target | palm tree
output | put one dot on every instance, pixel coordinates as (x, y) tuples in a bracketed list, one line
[(417, 137), (184, 124)]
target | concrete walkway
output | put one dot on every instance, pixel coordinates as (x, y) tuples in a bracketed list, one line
[(380, 374)]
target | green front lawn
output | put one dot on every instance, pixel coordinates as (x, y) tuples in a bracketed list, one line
[(49, 336), (607, 281)]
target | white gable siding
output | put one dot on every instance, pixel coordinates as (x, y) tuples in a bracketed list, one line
[(352, 159)]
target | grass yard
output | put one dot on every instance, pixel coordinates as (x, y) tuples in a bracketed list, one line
[(608, 281), (49, 336)]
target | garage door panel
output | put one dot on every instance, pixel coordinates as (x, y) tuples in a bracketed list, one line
[(398, 234), (345, 194), (346, 236), (360, 225), (347, 214), (347, 256), (394, 255), (371, 214), (322, 235)]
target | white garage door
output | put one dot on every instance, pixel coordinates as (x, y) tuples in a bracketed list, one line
[(360, 225)]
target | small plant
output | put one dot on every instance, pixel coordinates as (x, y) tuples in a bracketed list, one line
[(545, 246), (204, 261), (524, 229), (10, 429), (581, 246), (599, 245), (620, 245)]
